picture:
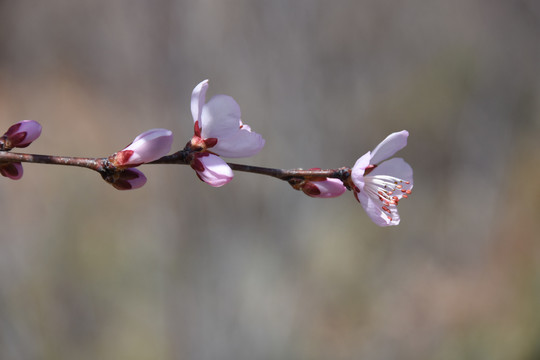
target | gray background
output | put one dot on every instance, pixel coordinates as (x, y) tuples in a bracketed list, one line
[(255, 270)]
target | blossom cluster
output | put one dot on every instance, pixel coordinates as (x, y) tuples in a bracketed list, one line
[(378, 180)]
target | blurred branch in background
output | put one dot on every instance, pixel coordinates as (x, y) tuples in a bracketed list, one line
[(178, 272)]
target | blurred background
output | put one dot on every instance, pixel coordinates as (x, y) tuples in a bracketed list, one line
[(256, 270)]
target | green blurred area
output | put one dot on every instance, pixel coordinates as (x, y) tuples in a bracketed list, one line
[(255, 270)]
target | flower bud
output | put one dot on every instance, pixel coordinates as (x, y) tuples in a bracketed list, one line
[(147, 147), (211, 169), (21, 134), (129, 179), (13, 171), (328, 188)]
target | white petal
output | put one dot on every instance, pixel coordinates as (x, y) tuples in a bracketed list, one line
[(153, 134), (220, 117), (396, 167), (243, 143), (376, 213), (198, 96), (244, 126), (389, 146), (357, 173)]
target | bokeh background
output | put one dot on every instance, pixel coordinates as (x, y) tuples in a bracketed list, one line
[(256, 270)]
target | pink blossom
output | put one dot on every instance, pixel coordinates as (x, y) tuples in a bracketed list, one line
[(13, 171), (129, 179), (218, 126), (147, 147), (211, 169), (378, 184), (21, 134)]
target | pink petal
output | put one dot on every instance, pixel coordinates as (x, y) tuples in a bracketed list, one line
[(243, 143), (13, 171), (198, 97), (357, 173), (376, 213), (389, 146), (147, 147), (220, 117), (215, 171), (328, 188)]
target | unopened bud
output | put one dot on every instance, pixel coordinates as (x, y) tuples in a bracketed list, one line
[(147, 147), (129, 179), (328, 188), (211, 169), (13, 171), (20, 134)]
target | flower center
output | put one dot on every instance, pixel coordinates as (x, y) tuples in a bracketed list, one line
[(388, 190)]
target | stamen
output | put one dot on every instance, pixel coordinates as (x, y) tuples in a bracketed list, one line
[(383, 188)]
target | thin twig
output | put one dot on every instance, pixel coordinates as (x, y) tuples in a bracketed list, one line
[(181, 158), (90, 163)]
